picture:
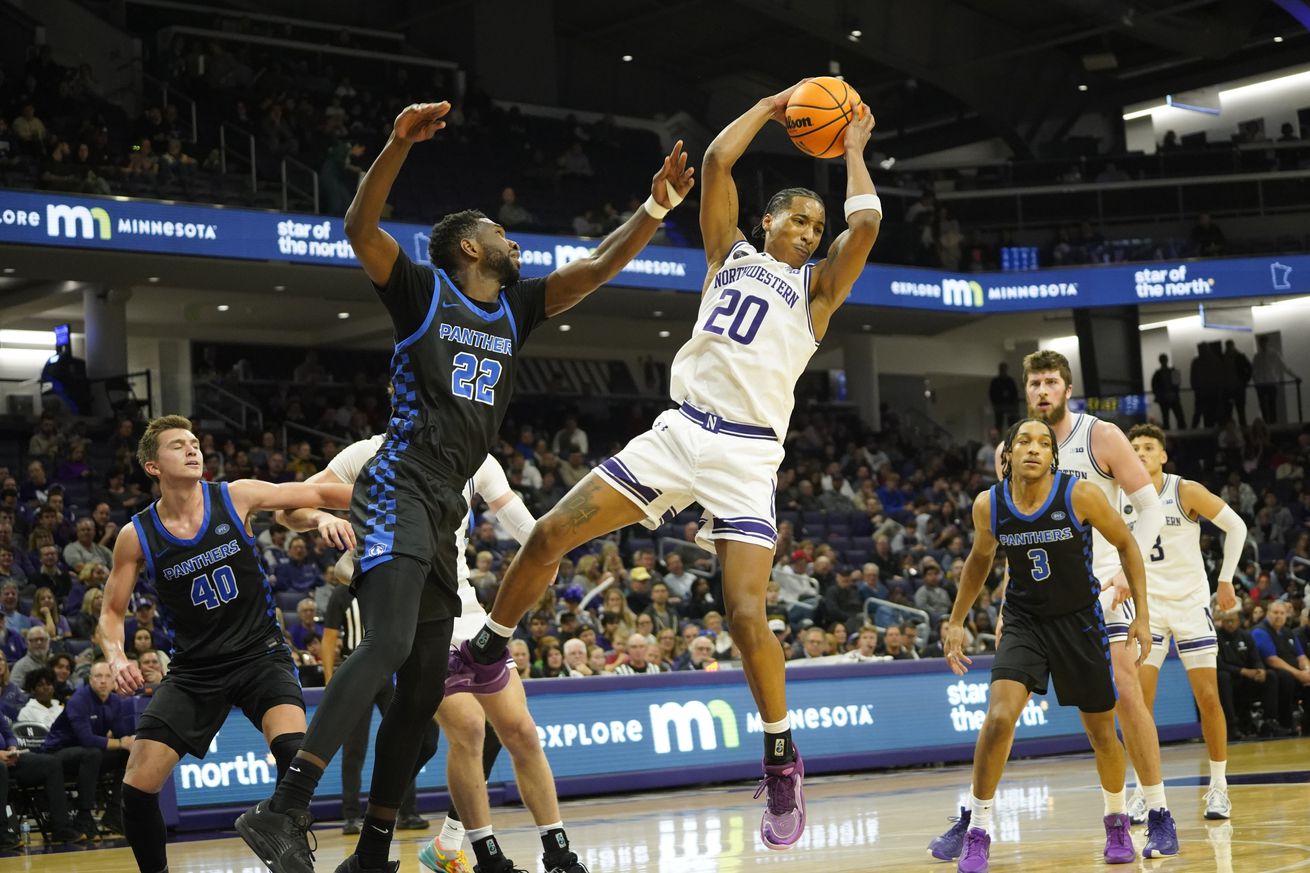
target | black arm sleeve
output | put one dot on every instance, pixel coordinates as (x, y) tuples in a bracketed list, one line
[(408, 295), (527, 303)]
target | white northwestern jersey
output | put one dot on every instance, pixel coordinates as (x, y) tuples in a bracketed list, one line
[(752, 341), (489, 481), (1174, 567), (1076, 459)]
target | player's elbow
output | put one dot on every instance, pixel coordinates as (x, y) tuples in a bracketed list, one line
[(357, 228)]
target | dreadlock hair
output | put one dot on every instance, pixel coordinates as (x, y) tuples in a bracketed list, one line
[(1008, 445), (448, 233), (782, 200)]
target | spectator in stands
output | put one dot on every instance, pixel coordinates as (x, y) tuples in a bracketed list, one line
[(636, 658), (277, 471), (574, 162), (74, 468), (573, 470), (48, 442), (12, 696), (42, 708), (142, 160), (175, 164), (45, 613), (814, 643), (144, 618), (1003, 393), (866, 645), (596, 660), (1286, 661), (842, 600), (85, 620), (585, 223), (513, 214), (570, 438), (1239, 495), (37, 657), (1166, 384), (14, 618), (299, 573), (518, 651), (700, 600), (62, 665), (30, 130), (1207, 238), (9, 571), (85, 548), (931, 597), (58, 173), (88, 170), (274, 553), (35, 487), (8, 146), (699, 656), (676, 578), (305, 624), (1243, 679), (662, 612), (1236, 371), (575, 659), (893, 644), (276, 135), (32, 769), (96, 725), (302, 464), (1267, 370), (92, 578)]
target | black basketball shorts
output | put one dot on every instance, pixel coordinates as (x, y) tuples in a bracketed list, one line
[(1072, 649), (190, 706)]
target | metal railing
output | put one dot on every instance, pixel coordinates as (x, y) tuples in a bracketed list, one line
[(241, 150), (213, 399), (665, 545), (308, 189), (168, 94), (871, 605), (288, 427)]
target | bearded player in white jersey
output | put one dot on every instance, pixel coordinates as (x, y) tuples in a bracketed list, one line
[(463, 717), (1178, 592), (762, 315)]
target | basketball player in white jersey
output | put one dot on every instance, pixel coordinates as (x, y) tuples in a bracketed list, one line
[(463, 717), (762, 314), (1179, 596), (1099, 453)]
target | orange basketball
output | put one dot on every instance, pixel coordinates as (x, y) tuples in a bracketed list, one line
[(817, 115)]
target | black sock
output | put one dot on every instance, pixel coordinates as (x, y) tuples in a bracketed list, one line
[(488, 647), (296, 789), (487, 851), (555, 847), (374, 846), (284, 748), (778, 748), (143, 825)]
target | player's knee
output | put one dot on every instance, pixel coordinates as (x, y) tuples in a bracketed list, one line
[(999, 723), (464, 727), (550, 540), (390, 649), (519, 737)]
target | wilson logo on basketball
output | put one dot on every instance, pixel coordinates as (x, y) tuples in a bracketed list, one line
[(794, 123)]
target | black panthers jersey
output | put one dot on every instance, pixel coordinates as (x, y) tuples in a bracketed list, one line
[(453, 371), (1049, 551), (213, 594)]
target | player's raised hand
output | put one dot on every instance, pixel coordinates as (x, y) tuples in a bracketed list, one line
[(778, 102), (857, 132), (673, 174), (953, 648), (1139, 632), (339, 533), (127, 675), (418, 122), (1226, 597)]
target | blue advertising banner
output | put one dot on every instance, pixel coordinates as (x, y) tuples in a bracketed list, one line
[(125, 225), (627, 733)]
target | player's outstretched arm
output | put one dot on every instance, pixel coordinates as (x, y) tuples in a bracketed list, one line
[(1197, 500), (331, 527), (252, 495), (718, 201), (118, 591), (976, 567), (568, 285), (490, 482), (1090, 505), (1113, 452), (833, 277), (374, 247)]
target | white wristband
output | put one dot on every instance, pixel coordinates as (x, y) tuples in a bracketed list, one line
[(654, 209), (860, 202)]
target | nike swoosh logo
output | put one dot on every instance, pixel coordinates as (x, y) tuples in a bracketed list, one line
[(449, 305), (380, 830)]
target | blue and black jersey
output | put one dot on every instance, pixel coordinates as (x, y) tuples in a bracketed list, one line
[(1049, 551)]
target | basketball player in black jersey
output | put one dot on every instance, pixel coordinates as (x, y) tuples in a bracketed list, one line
[(459, 329), (1042, 521), (228, 650)]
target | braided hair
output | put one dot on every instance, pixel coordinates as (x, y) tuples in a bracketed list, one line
[(1008, 445)]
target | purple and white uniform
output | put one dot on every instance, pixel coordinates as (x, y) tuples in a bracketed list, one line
[(734, 382)]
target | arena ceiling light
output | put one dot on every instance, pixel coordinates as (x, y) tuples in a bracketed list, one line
[(279, 287), (343, 315), (664, 334), (627, 59), (153, 280), (9, 271), (1278, 39), (1082, 87), (1140, 113), (566, 327), (854, 35), (223, 307)]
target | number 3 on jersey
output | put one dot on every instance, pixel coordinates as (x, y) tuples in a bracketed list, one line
[(474, 378), (1041, 564), (746, 314), (221, 590)]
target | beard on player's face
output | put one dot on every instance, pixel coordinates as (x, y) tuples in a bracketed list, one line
[(502, 266), (1054, 413)]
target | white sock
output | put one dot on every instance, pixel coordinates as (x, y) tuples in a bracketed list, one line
[(980, 813), (553, 826), (1114, 802), (777, 727), (1154, 796), (1219, 773), (452, 835), (500, 629), (480, 833)]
